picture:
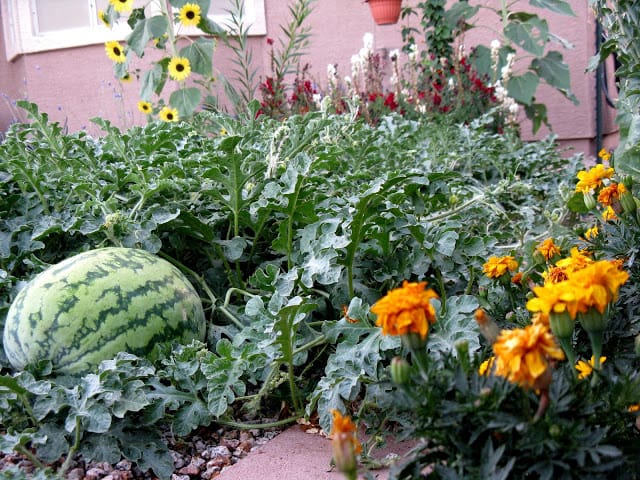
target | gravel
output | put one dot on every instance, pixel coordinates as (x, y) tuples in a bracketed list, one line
[(203, 455)]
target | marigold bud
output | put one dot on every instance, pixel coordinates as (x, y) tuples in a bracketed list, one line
[(589, 200), (628, 202), (400, 371)]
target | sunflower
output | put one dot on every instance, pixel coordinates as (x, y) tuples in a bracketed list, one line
[(145, 107), (406, 310), (190, 15), (523, 355), (115, 52), (179, 68), (168, 114), (102, 16), (122, 6)]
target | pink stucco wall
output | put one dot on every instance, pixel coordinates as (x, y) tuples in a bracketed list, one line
[(74, 85)]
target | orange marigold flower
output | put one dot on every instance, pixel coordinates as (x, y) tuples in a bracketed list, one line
[(634, 408), (598, 284), (554, 275), (523, 355), (406, 310), (495, 267), (576, 261), (611, 192), (345, 443), (548, 249), (591, 179)]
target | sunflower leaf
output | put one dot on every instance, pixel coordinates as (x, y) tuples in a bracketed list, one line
[(200, 55), (145, 30)]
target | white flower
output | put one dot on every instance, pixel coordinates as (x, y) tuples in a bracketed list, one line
[(317, 98), (331, 71), (495, 44), (413, 52), (348, 80), (367, 40), (394, 55)]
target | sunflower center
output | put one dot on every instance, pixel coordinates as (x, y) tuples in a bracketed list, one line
[(116, 51), (180, 67), (191, 15), (169, 116)]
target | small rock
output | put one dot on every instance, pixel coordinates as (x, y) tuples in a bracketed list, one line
[(178, 459), (190, 469), (179, 477), (95, 473), (219, 462), (210, 473), (75, 474), (246, 445), (230, 443), (123, 465)]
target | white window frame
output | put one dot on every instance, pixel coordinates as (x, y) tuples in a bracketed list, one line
[(19, 19)]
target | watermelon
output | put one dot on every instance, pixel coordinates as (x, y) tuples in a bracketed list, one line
[(93, 305)]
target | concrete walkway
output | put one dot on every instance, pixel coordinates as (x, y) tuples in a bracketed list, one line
[(296, 455)]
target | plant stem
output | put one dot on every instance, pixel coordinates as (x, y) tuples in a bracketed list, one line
[(251, 426), (74, 448)]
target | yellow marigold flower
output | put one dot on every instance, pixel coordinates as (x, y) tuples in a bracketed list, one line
[(190, 15), (548, 249), (598, 284), (591, 233), (634, 408), (523, 355), (604, 155), (577, 260), (115, 52), (126, 78), (179, 68), (122, 6), (486, 366), (554, 298), (102, 16), (406, 310), (585, 368), (611, 192), (145, 107), (495, 267), (345, 443), (168, 114), (590, 180), (609, 214)]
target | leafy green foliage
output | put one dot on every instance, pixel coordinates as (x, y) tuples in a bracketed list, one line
[(278, 225)]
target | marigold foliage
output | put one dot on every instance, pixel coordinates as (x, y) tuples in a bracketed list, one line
[(406, 310)]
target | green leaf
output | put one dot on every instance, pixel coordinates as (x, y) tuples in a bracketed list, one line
[(101, 448), (56, 444), (157, 457), (185, 100), (556, 6), (200, 55), (225, 374), (523, 87), (145, 30), (530, 34), (153, 81), (457, 324), (553, 69)]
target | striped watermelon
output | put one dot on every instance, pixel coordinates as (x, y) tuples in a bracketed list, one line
[(93, 305)]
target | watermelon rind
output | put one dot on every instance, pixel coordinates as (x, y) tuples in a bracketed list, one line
[(98, 303)]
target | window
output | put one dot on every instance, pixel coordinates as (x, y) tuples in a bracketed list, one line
[(39, 25)]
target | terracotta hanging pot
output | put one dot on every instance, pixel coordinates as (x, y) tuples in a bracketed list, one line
[(385, 12)]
